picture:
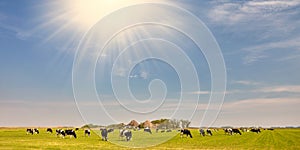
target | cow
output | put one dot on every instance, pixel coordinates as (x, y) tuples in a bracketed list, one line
[(36, 130), (148, 130), (29, 131), (87, 132), (60, 132), (169, 130), (63, 133), (228, 131), (32, 131), (186, 132), (71, 133), (49, 130), (236, 131), (126, 133), (202, 132), (255, 130), (208, 131), (104, 134)]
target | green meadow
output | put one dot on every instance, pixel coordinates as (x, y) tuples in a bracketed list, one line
[(16, 138)]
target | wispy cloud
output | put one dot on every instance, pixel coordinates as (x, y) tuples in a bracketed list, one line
[(273, 22), (142, 74), (258, 52), (256, 87), (200, 92), (19, 33), (233, 12), (261, 102), (246, 82), (277, 89)]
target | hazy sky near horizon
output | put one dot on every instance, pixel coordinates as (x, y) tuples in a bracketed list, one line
[(259, 41)]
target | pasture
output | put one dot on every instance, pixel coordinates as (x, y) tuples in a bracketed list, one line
[(16, 138)]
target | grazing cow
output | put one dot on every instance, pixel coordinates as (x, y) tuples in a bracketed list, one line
[(169, 130), (49, 130), (35, 130), (87, 132), (126, 133), (202, 132), (186, 132), (63, 133), (255, 130), (228, 131), (32, 131), (148, 130), (60, 132), (104, 134), (270, 129), (71, 133), (208, 131), (76, 129), (237, 131), (110, 130), (29, 131)]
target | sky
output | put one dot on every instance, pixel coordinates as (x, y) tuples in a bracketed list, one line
[(215, 63)]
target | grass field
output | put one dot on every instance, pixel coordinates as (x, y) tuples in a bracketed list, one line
[(16, 138)]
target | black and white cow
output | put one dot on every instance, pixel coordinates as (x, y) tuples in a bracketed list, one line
[(185, 132), (104, 134), (257, 130), (49, 130), (228, 131), (208, 131), (236, 131), (202, 132), (169, 130), (36, 130), (29, 131), (71, 133), (32, 131), (148, 130), (60, 132), (87, 132), (63, 133), (126, 133)]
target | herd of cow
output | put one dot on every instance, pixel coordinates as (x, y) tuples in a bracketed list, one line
[(72, 132), (127, 134)]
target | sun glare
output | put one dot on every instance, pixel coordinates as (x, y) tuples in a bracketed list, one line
[(88, 12)]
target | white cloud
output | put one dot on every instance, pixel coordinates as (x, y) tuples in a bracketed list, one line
[(19, 33), (285, 45), (267, 19), (253, 57), (142, 74), (200, 92), (234, 12), (251, 103), (246, 82), (258, 52), (277, 89)]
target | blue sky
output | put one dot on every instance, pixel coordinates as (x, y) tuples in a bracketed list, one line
[(259, 41)]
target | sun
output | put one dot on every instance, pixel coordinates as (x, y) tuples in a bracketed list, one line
[(87, 12)]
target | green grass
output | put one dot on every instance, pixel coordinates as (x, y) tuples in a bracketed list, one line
[(16, 138)]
